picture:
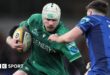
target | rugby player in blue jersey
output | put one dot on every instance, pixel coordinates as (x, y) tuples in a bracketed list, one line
[(96, 27)]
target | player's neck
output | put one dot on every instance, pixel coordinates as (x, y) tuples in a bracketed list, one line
[(98, 13)]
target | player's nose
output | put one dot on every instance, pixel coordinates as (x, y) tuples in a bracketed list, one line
[(51, 22)]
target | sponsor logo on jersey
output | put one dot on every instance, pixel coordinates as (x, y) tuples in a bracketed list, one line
[(72, 48), (83, 20), (35, 32), (43, 46)]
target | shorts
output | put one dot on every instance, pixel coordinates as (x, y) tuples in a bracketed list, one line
[(30, 70)]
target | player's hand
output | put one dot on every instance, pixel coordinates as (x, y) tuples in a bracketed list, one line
[(53, 37), (14, 43)]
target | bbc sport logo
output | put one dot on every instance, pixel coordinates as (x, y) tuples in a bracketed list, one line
[(3, 66), (6, 66)]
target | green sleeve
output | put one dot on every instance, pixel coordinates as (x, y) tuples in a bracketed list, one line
[(69, 50), (23, 23)]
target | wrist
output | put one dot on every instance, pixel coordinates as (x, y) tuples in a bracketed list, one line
[(60, 40)]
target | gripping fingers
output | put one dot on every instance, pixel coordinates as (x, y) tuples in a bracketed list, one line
[(18, 46), (53, 37), (19, 49)]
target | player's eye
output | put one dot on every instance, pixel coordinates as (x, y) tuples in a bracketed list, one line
[(51, 19)]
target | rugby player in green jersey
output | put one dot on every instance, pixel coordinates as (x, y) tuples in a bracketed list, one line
[(46, 57)]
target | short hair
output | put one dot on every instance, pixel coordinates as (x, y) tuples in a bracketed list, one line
[(99, 5)]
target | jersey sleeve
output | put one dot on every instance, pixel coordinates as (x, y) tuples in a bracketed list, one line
[(87, 22), (71, 51)]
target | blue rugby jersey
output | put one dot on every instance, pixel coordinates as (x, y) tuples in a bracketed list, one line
[(97, 31)]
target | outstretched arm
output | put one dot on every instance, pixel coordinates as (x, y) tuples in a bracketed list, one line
[(67, 37)]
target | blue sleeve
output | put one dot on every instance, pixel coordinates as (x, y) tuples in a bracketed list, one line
[(87, 22)]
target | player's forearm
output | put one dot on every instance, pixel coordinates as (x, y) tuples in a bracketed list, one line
[(66, 38), (70, 36), (61, 39)]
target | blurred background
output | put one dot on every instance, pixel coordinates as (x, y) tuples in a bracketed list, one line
[(12, 12)]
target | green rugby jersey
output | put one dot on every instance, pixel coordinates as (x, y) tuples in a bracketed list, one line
[(47, 56)]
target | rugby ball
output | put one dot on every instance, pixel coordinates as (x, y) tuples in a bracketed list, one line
[(23, 36)]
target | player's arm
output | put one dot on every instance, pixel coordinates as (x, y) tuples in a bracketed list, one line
[(13, 43), (67, 37)]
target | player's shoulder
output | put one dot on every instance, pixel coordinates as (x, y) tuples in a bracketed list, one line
[(85, 19), (36, 15), (35, 18), (62, 28), (91, 19)]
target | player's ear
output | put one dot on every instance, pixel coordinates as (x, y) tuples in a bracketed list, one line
[(89, 12)]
